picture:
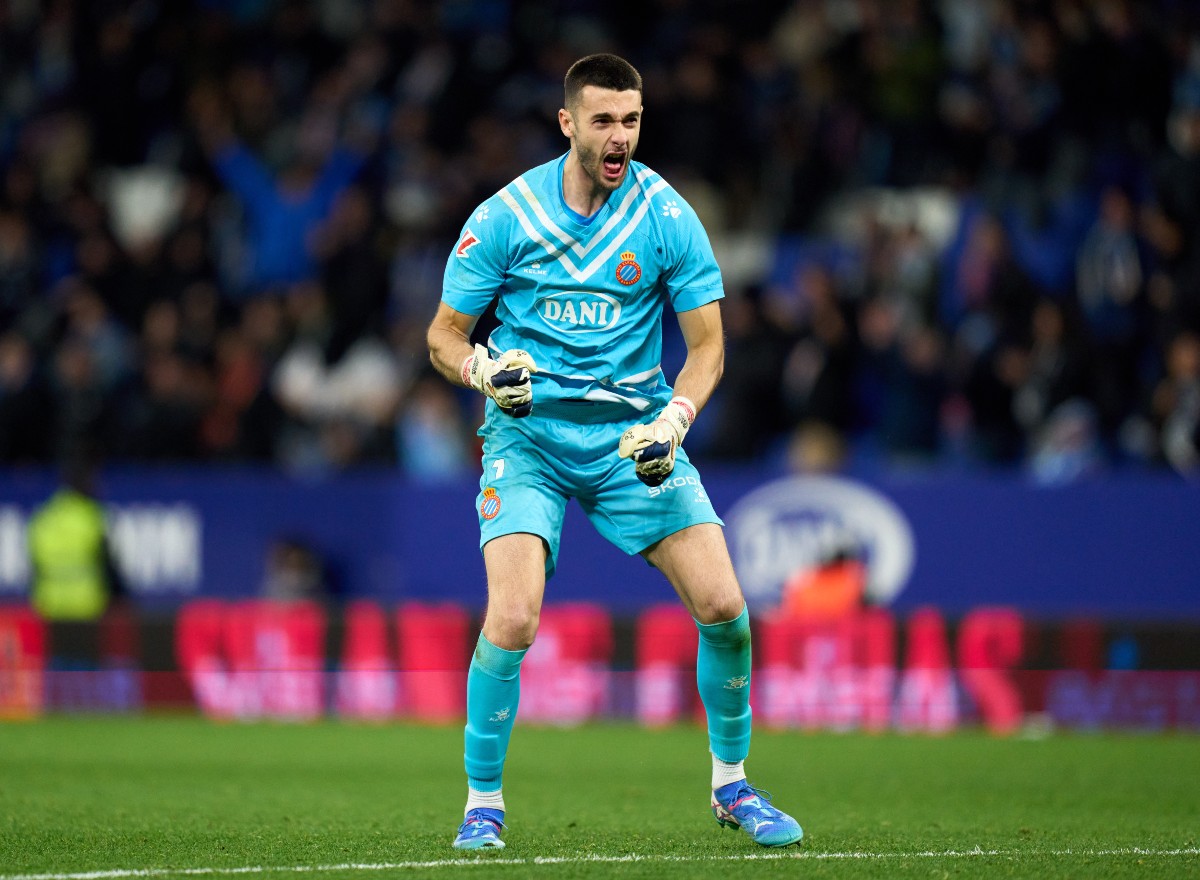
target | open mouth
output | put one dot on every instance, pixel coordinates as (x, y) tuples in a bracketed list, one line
[(614, 164)]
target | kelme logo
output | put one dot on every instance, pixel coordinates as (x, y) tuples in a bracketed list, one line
[(579, 311)]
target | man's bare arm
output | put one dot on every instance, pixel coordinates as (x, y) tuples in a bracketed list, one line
[(449, 341), (705, 362)]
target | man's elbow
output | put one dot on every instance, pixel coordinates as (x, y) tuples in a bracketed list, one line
[(431, 343), (718, 364)]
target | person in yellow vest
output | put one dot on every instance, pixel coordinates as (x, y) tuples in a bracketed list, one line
[(73, 577)]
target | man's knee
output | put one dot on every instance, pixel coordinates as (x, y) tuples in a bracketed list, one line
[(718, 606), (516, 581), (511, 625)]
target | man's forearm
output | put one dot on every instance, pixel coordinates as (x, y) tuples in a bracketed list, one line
[(447, 351), (700, 375)]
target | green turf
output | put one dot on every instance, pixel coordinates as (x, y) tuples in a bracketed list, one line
[(87, 794)]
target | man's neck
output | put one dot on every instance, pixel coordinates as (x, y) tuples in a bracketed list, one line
[(579, 190)]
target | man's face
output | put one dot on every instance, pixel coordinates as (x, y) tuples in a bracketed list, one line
[(604, 128)]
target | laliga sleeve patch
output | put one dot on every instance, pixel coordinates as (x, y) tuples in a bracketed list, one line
[(468, 241), (490, 506)]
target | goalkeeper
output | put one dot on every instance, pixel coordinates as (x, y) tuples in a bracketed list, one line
[(582, 255)]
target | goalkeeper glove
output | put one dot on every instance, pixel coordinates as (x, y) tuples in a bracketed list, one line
[(505, 381), (652, 447)]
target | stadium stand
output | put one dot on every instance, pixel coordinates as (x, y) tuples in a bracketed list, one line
[(954, 233)]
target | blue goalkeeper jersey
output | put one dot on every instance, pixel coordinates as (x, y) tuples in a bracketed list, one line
[(584, 296)]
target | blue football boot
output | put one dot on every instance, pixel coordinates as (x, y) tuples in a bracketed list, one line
[(741, 805), (480, 830)]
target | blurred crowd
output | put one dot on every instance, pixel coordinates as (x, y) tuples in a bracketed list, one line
[(958, 232)]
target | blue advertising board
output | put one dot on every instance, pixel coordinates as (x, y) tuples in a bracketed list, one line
[(1120, 547)]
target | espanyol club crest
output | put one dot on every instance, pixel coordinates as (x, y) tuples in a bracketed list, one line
[(797, 523), (490, 506), (628, 270)]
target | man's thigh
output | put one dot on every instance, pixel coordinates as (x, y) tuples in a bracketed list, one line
[(516, 584), (696, 562)]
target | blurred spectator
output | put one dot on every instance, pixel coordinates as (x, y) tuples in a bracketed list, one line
[(749, 410), (352, 249), (818, 373), (1066, 446), (19, 271), (283, 211), (339, 390), (243, 419), (990, 293), (816, 448), (26, 413), (293, 572), (88, 321), (906, 365), (160, 416), (82, 409), (1055, 370), (830, 589), (1176, 404), (432, 436), (1109, 287)]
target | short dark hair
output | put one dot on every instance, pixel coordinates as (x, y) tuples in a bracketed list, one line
[(603, 71)]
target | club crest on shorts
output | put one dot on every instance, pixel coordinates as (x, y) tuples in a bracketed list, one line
[(628, 270), (490, 506)]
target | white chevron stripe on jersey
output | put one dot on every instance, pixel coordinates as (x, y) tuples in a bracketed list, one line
[(581, 250), (531, 231), (600, 395), (581, 274), (639, 378)]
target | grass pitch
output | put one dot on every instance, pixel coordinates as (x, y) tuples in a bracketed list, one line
[(110, 798)]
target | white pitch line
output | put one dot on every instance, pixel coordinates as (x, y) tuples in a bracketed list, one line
[(483, 861)]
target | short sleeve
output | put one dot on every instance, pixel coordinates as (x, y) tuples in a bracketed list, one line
[(478, 263), (693, 277)]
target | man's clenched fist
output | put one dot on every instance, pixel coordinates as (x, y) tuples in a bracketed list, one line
[(652, 447), (505, 380)]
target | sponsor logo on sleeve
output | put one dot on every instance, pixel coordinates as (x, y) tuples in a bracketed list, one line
[(469, 240)]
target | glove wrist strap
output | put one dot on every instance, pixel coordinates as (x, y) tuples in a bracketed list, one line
[(680, 413), (474, 369), (467, 369)]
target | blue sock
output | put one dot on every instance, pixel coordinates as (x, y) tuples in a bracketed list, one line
[(493, 691), (723, 677)]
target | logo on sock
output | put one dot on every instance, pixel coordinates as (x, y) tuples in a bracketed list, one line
[(502, 715), (737, 683)]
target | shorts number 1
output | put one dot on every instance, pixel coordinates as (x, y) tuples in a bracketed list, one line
[(498, 464)]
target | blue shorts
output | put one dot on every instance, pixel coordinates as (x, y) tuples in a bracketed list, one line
[(534, 465)]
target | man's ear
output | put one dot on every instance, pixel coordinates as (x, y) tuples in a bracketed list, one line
[(565, 122)]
